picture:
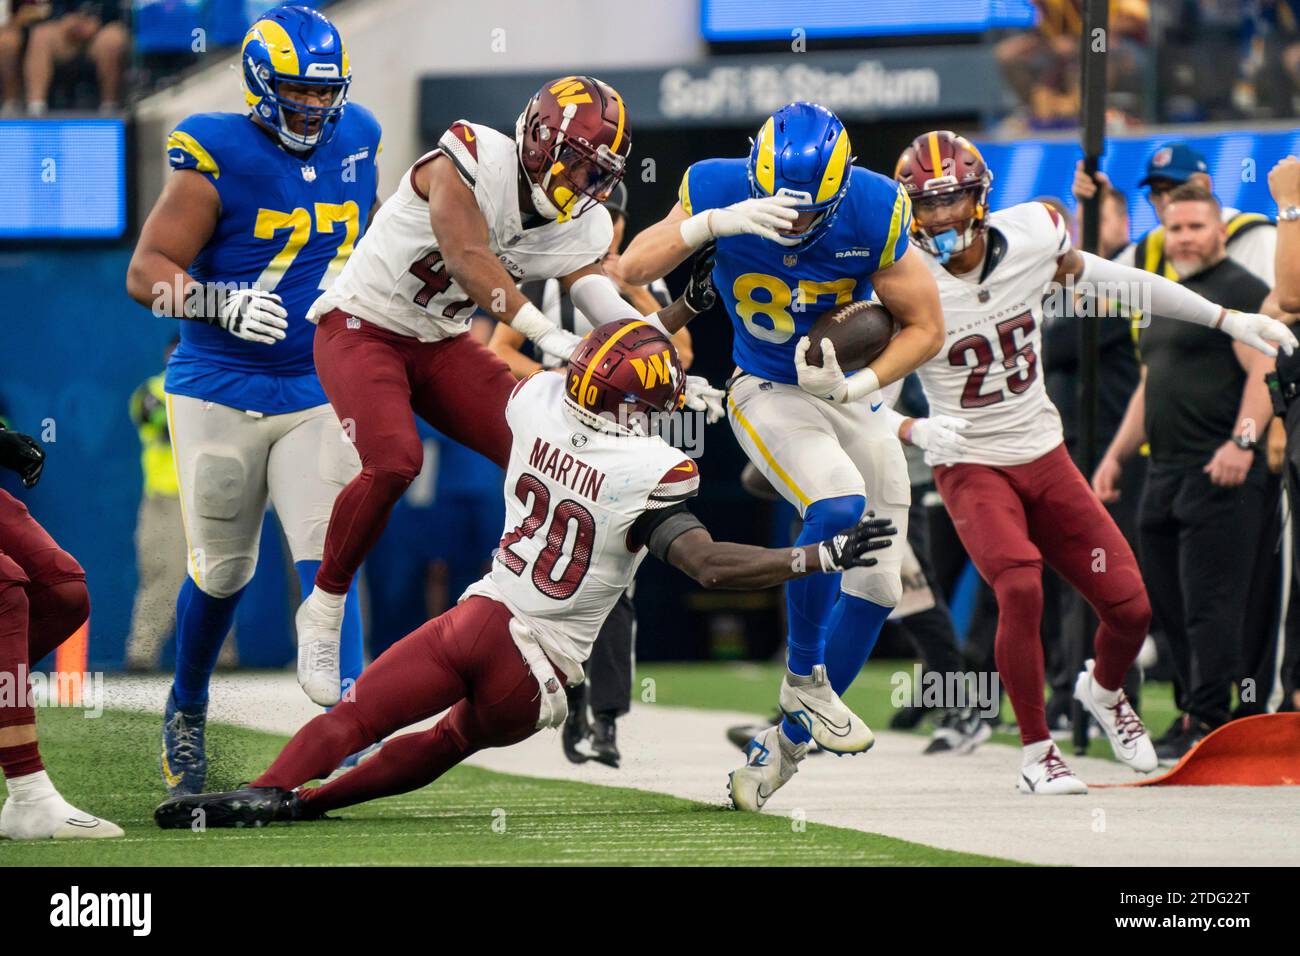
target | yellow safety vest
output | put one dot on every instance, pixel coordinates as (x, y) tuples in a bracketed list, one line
[(149, 412)]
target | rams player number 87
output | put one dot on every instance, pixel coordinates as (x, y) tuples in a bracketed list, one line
[(799, 230), (260, 213)]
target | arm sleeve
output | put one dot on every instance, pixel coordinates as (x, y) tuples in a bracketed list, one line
[(1162, 296), (658, 529), (596, 297)]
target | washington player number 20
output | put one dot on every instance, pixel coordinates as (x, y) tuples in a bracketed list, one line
[(566, 512)]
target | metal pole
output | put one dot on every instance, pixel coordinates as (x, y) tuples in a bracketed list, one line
[(1093, 43)]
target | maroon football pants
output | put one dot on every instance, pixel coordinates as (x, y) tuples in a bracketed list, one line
[(374, 379), (465, 660), (1011, 519), (43, 600)]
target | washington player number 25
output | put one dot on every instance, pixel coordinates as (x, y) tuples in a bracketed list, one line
[(1015, 342)]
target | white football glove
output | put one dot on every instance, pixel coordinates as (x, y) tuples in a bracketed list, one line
[(762, 216), (1259, 332), (703, 397), (940, 437), (254, 316), (827, 382)]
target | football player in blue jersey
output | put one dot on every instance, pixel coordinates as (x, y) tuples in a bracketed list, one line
[(259, 215), (800, 230)]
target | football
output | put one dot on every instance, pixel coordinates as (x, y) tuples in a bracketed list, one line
[(858, 330)]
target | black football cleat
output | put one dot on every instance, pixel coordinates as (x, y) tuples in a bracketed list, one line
[(573, 736), (249, 807), (603, 741)]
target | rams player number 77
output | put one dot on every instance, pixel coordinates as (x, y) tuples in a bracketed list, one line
[(259, 214), (799, 230)]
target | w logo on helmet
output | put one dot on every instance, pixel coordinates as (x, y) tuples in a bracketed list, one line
[(654, 370), (569, 90)]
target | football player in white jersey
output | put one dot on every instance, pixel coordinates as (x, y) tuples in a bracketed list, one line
[(470, 219), (1015, 497), (590, 490)]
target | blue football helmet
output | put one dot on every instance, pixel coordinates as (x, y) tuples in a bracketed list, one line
[(803, 151), (298, 46)]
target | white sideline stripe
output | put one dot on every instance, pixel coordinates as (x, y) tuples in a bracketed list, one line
[(966, 803)]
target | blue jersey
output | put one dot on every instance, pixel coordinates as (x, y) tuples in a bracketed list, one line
[(288, 223), (775, 294)]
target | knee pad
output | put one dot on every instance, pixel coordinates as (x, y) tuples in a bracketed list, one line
[(224, 576), (830, 516), (881, 584)]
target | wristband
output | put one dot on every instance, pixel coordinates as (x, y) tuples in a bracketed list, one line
[(695, 231), (531, 323), (204, 302), (861, 385)]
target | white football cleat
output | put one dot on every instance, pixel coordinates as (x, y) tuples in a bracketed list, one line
[(814, 705), (1128, 738), (773, 758), (1049, 775), (319, 626), (50, 817)]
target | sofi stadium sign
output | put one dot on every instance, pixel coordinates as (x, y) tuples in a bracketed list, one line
[(912, 81), (733, 92)]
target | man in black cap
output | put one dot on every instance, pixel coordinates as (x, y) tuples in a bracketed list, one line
[(1252, 237), (1202, 406), (1251, 242)]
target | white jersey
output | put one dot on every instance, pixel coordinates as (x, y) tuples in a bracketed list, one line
[(396, 277), (989, 371), (572, 496)]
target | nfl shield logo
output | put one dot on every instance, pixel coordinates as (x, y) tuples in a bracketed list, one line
[(984, 295), (309, 173), (791, 260)]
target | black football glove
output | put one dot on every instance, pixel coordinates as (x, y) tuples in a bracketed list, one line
[(700, 294), (849, 549), (23, 454)]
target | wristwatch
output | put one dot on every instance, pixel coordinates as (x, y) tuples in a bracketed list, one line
[(1289, 214), (1244, 443)]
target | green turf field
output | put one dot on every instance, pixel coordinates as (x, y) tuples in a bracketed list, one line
[(753, 688), (470, 817)]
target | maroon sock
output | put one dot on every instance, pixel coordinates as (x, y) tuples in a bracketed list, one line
[(402, 764), (360, 514), (24, 758), (1120, 634), (1018, 648), (21, 760), (316, 749)]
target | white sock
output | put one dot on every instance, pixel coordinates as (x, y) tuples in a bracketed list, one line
[(330, 602), (1101, 695), (1037, 751), (31, 787)]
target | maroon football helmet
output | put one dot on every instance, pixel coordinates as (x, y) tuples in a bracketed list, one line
[(941, 171), (573, 142), (621, 373)]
